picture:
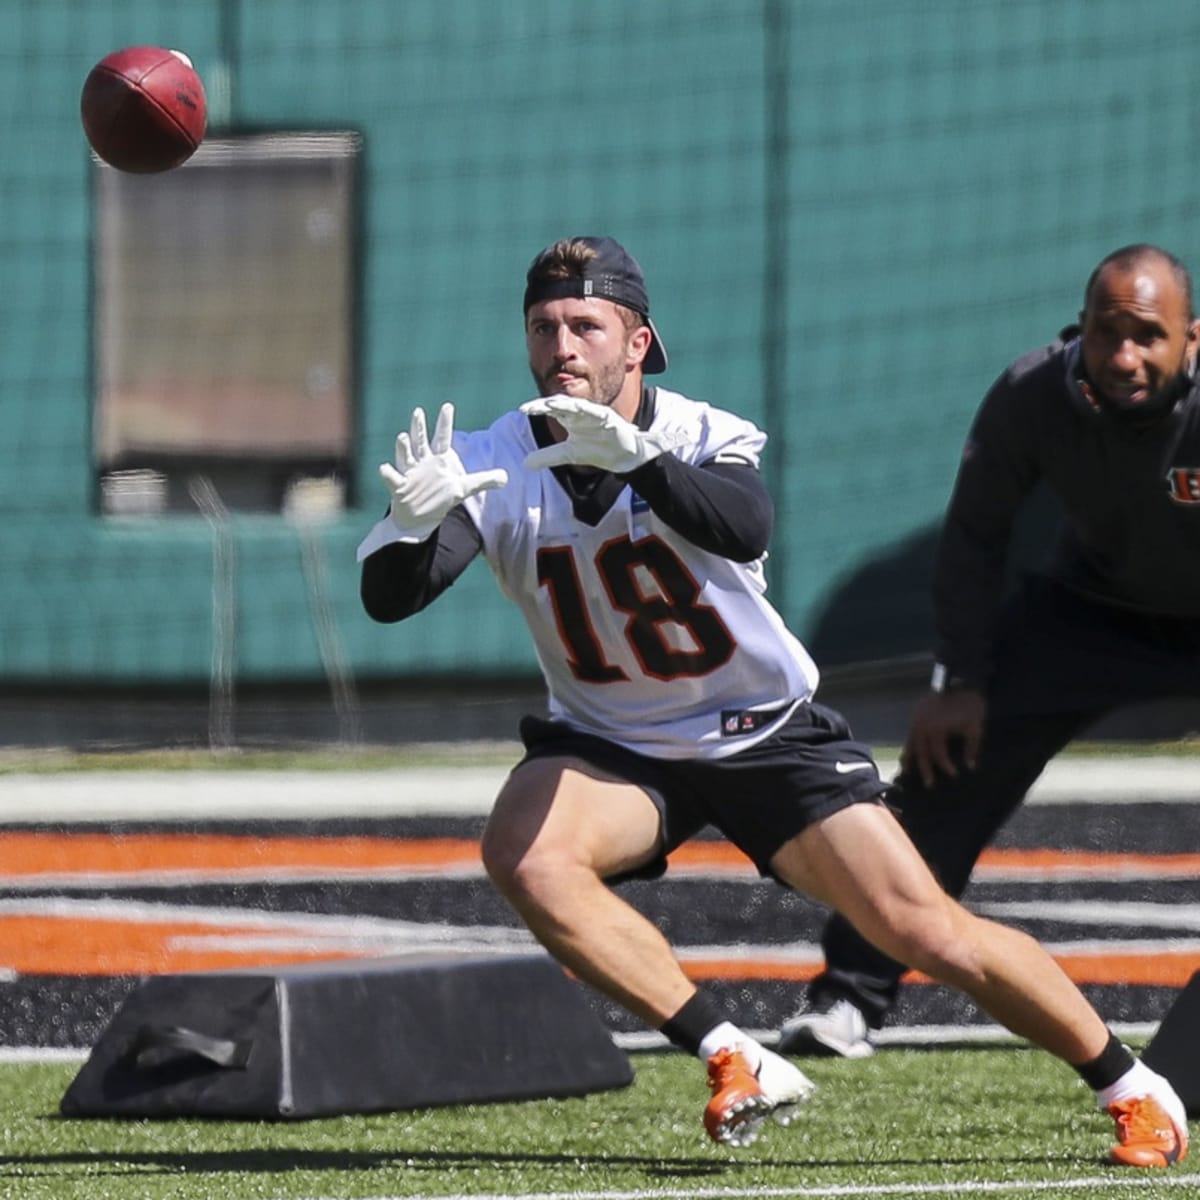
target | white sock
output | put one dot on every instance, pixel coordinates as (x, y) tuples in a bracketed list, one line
[(725, 1036), (1139, 1080)]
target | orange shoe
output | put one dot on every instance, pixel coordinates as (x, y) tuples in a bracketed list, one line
[(743, 1099), (1146, 1134)]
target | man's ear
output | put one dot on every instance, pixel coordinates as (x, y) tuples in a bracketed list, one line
[(1193, 341), (639, 345)]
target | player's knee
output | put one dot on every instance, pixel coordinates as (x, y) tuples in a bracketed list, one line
[(930, 939), (948, 961), (501, 858), (518, 867)]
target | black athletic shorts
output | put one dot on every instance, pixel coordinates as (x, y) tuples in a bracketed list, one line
[(759, 798)]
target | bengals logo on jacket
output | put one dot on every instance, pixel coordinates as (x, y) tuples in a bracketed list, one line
[(1183, 484)]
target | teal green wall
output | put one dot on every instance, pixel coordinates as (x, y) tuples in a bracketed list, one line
[(852, 214)]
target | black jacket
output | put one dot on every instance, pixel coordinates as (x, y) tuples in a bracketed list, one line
[(1129, 495)]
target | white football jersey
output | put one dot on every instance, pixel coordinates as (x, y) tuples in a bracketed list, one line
[(644, 639)]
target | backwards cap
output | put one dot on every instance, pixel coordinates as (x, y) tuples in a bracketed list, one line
[(613, 274)]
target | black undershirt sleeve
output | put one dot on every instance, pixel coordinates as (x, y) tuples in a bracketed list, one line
[(402, 578), (722, 507)]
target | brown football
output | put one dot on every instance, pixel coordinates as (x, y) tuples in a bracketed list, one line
[(144, 109)]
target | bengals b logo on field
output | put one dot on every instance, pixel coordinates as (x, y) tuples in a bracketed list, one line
[(1183, 483)]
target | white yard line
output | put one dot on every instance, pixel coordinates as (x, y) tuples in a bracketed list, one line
[(102, 796), (944, 1036), (846, 1191), (96, 796), (1108, 913)]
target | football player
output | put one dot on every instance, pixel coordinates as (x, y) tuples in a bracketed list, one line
[(629, 524)]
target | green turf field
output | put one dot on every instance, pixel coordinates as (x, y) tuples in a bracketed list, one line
[(1005, 1121)]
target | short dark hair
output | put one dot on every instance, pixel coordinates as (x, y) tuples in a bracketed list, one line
[(1135, 254), (563, 259)]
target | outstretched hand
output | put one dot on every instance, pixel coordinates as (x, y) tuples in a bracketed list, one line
[(944, 724), (597, 437), (429, 478)]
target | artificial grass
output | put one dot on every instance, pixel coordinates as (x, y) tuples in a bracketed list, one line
[(999, 1121)]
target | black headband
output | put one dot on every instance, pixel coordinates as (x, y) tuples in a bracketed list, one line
[(612, 274)]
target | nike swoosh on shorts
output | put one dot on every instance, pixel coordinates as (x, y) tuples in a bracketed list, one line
[(844, 768)]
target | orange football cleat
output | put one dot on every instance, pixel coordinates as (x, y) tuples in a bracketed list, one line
[(743, 1098), (1147, 1137)]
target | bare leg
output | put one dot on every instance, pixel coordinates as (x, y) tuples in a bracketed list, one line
[(558, 829), (860, 862)]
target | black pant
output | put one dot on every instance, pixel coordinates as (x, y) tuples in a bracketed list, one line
[(1062, 662)]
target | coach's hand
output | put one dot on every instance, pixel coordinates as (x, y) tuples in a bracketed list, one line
[(597, 437), (429, 479), (946, 729)]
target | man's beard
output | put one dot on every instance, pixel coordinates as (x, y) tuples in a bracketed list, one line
[(604, 387), (1159, 403)]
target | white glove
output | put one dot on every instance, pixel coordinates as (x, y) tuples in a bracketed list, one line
[(598, 437), (428, 480)]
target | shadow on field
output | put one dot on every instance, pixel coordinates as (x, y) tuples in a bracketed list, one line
[(262, 1162)]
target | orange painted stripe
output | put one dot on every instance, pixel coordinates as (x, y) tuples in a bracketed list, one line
[(34, 945), (36, 853), (1154, 968), (1161, 968), (713, 856), (1050, 860), (716, 856), (720, 855), (78, 945), (31, 853)]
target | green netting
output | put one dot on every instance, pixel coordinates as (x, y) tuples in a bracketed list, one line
[(851, 215)]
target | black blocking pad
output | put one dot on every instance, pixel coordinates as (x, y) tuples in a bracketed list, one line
[(361, 1035)]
